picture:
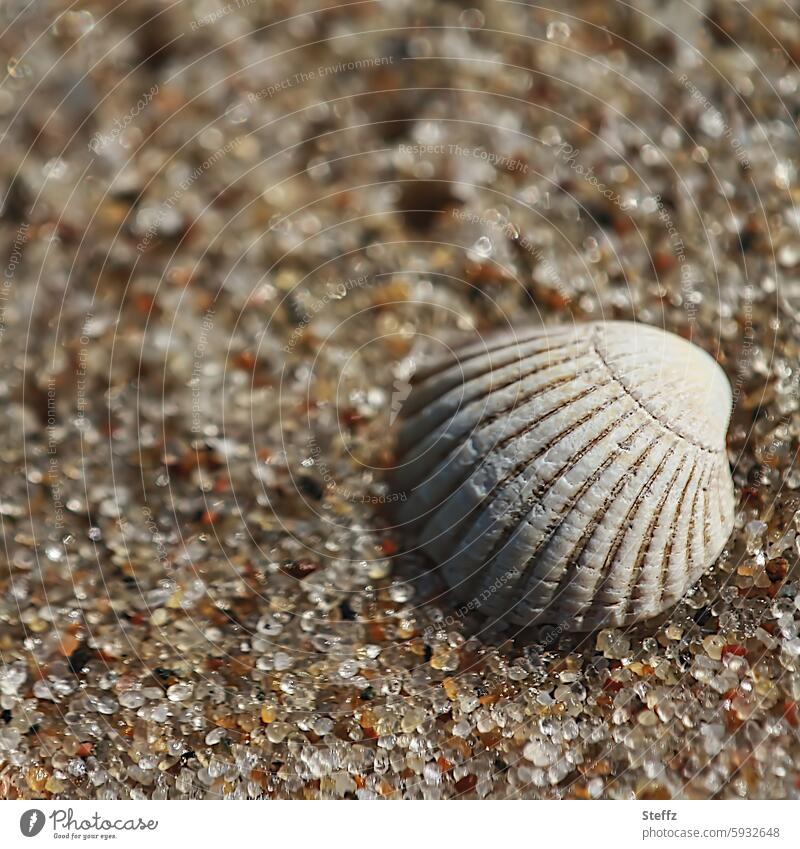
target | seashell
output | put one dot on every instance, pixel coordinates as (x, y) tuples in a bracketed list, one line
[(574, 475)]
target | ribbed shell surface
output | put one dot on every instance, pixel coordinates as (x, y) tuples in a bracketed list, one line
[(572, 475)]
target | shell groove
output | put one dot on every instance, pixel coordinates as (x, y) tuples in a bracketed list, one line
[(571, 475)]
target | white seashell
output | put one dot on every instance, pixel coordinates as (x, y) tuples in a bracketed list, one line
[(573, 475)]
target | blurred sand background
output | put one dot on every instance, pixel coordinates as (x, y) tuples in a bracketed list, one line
[(225, 229)]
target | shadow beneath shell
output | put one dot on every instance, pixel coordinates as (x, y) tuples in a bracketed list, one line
[(440, 613)]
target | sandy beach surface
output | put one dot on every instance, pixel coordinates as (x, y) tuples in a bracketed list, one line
[(229, 232)]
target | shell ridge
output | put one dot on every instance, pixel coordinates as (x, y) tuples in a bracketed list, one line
[(571, 558), (499, 547), (576, 557), (467, 470), (673, 530), (654, 555), (669, 428), (724, 499), (680, 554), (464, 375), (697, 535), (554, 525), (624, 526), (644, 544), (624, 529), (517, 515), (487, 421), (517, 435), (418, 420), (475, 350)]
